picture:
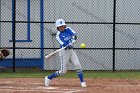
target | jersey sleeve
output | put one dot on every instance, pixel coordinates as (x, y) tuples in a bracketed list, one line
[(73, 34), (60, 40), (71, 31)]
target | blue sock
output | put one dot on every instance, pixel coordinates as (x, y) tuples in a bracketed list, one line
[(53, 75), (80, 74)]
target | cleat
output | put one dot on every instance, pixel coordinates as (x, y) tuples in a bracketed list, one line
[(47, 81), (83, 84)]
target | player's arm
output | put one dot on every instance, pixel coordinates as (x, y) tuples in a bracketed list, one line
[(64, 43), (75, 37), (61, 41), (73, 34)]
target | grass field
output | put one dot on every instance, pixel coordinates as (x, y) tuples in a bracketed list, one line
[(72, 74)]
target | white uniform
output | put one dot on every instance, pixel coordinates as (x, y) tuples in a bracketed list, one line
[(67, 55)]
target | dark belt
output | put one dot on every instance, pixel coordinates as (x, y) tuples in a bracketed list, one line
[(68, 48)]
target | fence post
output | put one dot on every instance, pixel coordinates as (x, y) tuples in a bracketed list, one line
[(114, 23), (42, 32), (13, 30), (0, 23)]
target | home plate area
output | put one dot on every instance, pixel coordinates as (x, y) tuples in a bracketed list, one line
[(36, 85), (70, 85), (8, 89)]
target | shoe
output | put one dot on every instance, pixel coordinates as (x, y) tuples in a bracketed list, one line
[(47, 81), (83, 84)]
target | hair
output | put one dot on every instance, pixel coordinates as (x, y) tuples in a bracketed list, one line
[(63, 25)]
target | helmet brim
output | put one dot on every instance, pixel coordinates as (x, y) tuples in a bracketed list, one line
[(61, 25)]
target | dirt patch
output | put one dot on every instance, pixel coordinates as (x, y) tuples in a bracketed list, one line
[(71, 85)]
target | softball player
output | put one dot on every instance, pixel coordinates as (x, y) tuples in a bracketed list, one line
[(66, 37)]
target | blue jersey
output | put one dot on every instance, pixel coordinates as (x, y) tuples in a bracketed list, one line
[(65, 37)]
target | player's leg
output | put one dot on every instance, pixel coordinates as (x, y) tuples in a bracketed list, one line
[(75, 61), (64, 58)]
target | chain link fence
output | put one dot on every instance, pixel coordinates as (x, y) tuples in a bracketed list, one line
[(109, 28)]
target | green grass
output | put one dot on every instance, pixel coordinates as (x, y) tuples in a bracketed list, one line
[(72, 74), (125, 74)]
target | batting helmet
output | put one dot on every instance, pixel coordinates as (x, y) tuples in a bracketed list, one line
[(59, 22)]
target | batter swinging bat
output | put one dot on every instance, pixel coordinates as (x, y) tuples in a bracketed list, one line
[(51, 54)]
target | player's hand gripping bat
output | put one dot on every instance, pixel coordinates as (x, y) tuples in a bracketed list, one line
[(51, 54)]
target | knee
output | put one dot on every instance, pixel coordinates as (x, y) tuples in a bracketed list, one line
[(62, 72), (79, 71), (78, 66)]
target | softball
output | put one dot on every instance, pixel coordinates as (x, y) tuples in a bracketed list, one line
[(83, 45)]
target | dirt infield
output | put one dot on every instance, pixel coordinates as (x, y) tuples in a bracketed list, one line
[(63, 85)]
